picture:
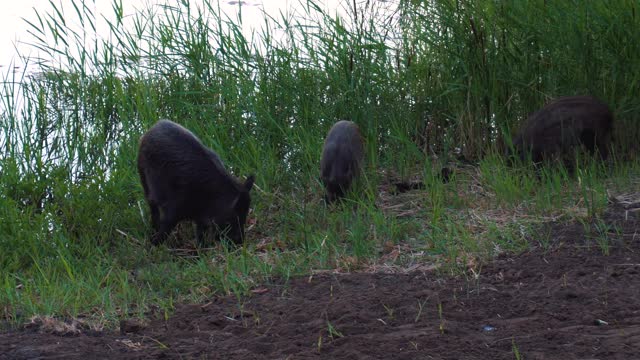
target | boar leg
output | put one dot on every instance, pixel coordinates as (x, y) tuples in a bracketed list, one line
[(201, 230), (155, 215), (602, 147), (333, 192), (166, 221), (589, 139)]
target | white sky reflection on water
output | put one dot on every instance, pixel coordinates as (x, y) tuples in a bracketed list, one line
[(14, 30)]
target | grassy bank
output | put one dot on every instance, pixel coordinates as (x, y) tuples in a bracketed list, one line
[(448, 78)]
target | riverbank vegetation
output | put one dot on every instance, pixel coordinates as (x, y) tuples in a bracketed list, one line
[(431, 84)]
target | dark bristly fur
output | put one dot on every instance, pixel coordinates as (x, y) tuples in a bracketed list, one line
[(562, 127), (342, 157), (184, 180)]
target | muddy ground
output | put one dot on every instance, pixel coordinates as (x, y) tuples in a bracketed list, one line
[(569, 302)]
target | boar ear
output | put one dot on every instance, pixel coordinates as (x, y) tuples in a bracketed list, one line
[(248, 184)]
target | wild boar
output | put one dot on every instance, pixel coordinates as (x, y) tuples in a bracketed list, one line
[(184, 180), (342, 157), (562, 127)]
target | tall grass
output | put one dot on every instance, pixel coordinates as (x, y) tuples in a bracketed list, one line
[(420, 78)]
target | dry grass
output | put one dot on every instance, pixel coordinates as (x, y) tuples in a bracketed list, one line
[(629, 201), (60, 327)]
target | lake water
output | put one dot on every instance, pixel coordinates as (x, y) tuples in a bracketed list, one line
[(15, 36)]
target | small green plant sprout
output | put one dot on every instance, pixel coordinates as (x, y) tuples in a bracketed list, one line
[(333, 332), (442, 321), (390, 311), (544, 237), (602, 237), (514, 349)]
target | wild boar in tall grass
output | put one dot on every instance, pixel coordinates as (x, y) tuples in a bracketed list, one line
[(184, 180), (562, 127), (342, 157)]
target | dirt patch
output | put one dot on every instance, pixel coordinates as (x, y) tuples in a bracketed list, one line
[(568, 301)]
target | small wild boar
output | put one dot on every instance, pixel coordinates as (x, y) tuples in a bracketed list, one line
[(562, 127), (342, 157), (184, 180)]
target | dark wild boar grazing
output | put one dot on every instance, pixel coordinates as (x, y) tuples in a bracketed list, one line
[(342, 157), (184, 180), (562, 127)]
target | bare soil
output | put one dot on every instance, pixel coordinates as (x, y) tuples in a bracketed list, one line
[(569, 301)]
